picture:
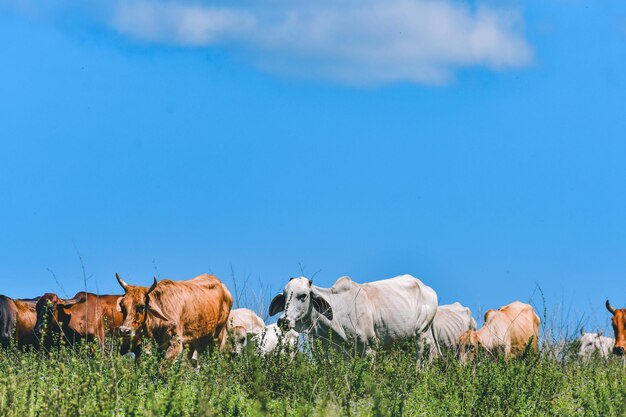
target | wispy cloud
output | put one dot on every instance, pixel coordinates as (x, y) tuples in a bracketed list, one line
[(348, 41)]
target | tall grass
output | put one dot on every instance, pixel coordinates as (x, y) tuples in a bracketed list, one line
[(90, 381)]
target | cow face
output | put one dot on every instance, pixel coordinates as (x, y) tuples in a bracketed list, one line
[(592, 342), (137, 307), (237, 340), (468, 344), (619, 328), (297, 301)]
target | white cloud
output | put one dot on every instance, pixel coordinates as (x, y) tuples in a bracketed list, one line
[(349, 41)]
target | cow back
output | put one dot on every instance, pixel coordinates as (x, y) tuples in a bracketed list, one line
[(246, 318), (512, 327), (450, 322), (93, 315)]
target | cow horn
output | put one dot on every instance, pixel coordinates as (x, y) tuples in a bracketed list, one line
[(610, 307), (154, 284), (121, 281)]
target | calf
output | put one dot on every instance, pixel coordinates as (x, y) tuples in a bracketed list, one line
[(595, 342), (272, 338), (242, 324)]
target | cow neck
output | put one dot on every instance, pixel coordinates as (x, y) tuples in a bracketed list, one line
[(319, 323)]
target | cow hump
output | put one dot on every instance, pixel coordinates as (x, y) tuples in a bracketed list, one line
[(342, 284)]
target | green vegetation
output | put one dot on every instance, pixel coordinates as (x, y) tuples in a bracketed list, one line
[(89, 381)]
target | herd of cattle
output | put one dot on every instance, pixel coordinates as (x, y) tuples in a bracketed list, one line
[(196, 315)]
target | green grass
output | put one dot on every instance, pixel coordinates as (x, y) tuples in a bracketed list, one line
[(86, 381)]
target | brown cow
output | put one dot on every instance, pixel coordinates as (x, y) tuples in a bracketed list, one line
[(185, 314), (86, 316), (619, 327), (17, 321), (507, 331)]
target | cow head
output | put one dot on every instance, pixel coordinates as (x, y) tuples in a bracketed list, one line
[(297, 301), (468, 344), (619, 327), (50, 312), (236, 341), (592, 342), (137, 307)]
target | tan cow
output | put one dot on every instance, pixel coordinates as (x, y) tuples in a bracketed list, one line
[(185, 314), (507, 331), (243, 323), (17, 321)]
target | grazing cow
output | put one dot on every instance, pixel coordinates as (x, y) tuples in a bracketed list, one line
[(595, 342), (186, 314), (272, 338), (450, 322), (17, 321), (86, 316), (242, 324), (618, 322), (380, 312), (507, 331)]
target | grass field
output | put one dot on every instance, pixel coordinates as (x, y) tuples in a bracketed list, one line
[(89, 381)]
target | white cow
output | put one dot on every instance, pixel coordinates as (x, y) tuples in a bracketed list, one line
[(242, 324), (365, 315), (595, 342), (450, 322), (272, 337)]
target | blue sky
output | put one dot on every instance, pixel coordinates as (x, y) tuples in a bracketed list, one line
[(178, 138)]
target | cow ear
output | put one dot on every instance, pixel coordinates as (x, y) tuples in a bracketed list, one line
[(322, 306), (277, 305), (69, 303), (118, 307), (487, 313), (156, 312)]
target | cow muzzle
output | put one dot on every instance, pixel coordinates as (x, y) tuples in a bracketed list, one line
[(284, 324), (618, 350), (125, 332)]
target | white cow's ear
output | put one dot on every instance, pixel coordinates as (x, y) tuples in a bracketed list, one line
[(277, 305), (322, 306)]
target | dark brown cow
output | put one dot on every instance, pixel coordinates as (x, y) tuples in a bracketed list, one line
[(619, 327), (177, 315), (86, 316), (17, 321)]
